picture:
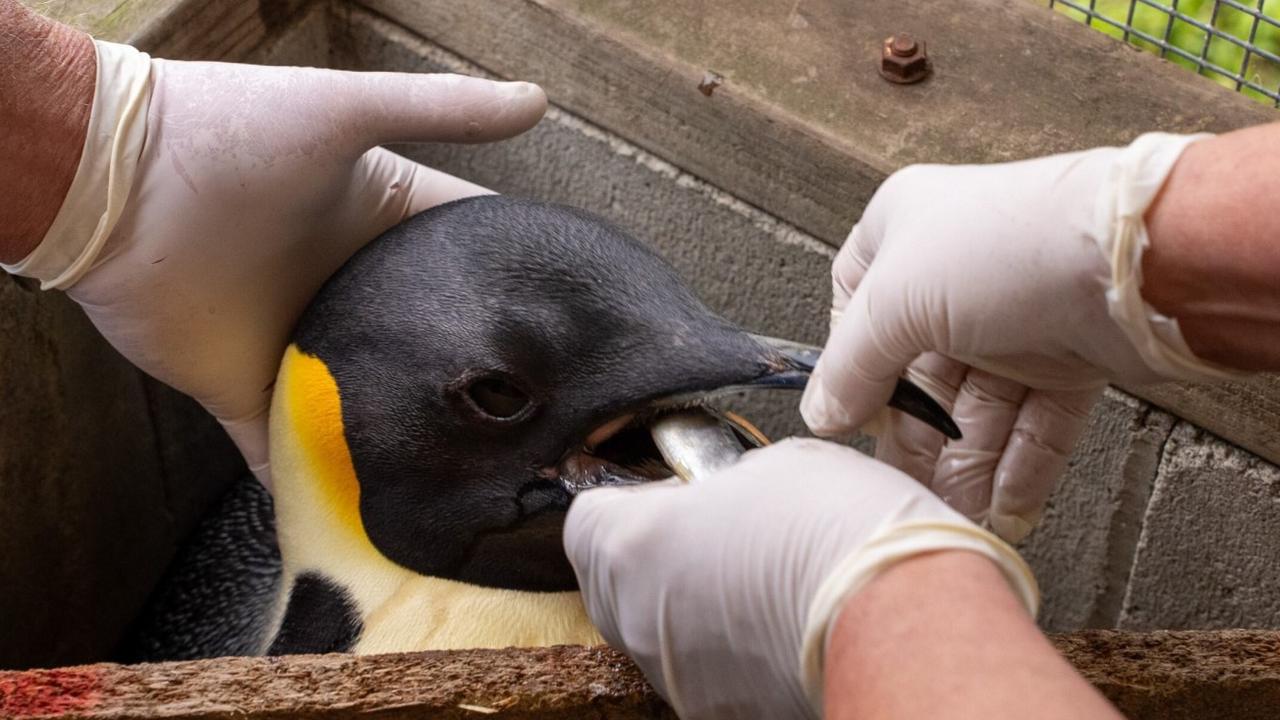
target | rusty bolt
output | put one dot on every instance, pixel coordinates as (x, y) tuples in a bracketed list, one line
[(903, 59)]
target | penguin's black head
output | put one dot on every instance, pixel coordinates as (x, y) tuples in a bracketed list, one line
[(493, 356)]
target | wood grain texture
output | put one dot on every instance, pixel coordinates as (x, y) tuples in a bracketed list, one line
[(519, 683), (178, 29), (1168, 675), (804, 127)]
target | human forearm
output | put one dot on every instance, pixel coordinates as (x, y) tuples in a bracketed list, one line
[(1214, 260), (47, 74), (942, 636)]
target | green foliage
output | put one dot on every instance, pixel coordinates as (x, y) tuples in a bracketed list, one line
[(1158, 23)]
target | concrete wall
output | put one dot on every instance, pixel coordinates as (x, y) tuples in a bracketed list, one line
[(1155, 525)]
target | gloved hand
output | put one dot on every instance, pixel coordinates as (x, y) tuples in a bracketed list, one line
[(723, 591), (212, 201), (1011, 292)]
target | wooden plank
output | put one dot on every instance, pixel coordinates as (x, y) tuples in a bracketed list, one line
[(563, 681), (804, 127), (1168, 675), (1182, 675), (180, 29), (114, 20)]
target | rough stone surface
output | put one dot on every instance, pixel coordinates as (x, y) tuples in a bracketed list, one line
[(1209, 549), (1083, 550)]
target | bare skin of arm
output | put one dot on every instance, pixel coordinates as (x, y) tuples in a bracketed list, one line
[(1214, 260), (47, 77), (942, 636)]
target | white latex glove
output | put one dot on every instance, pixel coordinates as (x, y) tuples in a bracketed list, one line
[(1011, 292), (212, 201), (723, 592)]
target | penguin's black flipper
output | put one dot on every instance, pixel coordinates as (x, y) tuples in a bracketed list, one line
[(217, 596), (321, 618)]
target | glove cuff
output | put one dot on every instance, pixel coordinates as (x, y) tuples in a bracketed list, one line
[(898, 543), (108, 162), (1135, 179)]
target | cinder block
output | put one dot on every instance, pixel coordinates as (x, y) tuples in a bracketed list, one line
[(1209, 554), (1084, 547)]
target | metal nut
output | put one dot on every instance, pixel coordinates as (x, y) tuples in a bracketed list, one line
[(903, 59)]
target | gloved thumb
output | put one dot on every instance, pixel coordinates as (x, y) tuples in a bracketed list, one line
[(409, 107), (859, 368), (250, 437)]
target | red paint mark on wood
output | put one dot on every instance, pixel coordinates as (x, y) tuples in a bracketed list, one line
[(41, 693)]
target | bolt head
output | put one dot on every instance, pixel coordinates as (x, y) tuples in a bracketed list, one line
[(902, 45), (903, 59)]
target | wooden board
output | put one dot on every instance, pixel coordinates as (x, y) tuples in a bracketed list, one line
[(804, 127), (1167, 675), (179, 29)]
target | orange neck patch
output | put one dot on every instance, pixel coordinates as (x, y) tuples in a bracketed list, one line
[(312, 409)]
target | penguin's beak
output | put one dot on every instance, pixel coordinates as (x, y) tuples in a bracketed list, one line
[(622, 451), (790, 364), (798, 361)]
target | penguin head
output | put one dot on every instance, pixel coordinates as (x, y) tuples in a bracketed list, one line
[(491, 358)]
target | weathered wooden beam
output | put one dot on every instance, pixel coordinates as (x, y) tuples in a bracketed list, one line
[(1183, 675), (1167, 675), (804, 127), (182, 29), (560, 682)]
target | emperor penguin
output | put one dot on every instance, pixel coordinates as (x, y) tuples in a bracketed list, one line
[(447, 394)]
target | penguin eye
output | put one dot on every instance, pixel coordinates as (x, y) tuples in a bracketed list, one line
[(497, 398)]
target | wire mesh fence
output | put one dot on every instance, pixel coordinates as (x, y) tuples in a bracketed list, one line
[(1235, 42)]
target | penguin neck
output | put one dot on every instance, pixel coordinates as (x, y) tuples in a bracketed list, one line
[(317, 502)]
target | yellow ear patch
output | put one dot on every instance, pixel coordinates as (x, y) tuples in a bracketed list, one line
[(309, 409)]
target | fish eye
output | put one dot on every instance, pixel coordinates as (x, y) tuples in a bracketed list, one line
[(498, 398)]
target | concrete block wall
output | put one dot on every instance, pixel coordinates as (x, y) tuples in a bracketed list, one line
[(1156, 524)]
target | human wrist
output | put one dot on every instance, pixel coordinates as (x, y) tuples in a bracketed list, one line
[(891, 546), (910, 607), (1125, 195), (96, 198), (48, 92), (1214, 262)]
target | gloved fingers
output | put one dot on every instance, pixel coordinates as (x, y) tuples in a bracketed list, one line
[(861, 247), (605, 522), (395, 188), (909, 444), (847, 270), (603, 530), (860, 365), (413, 107), (986, 410), (1048, 426)]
